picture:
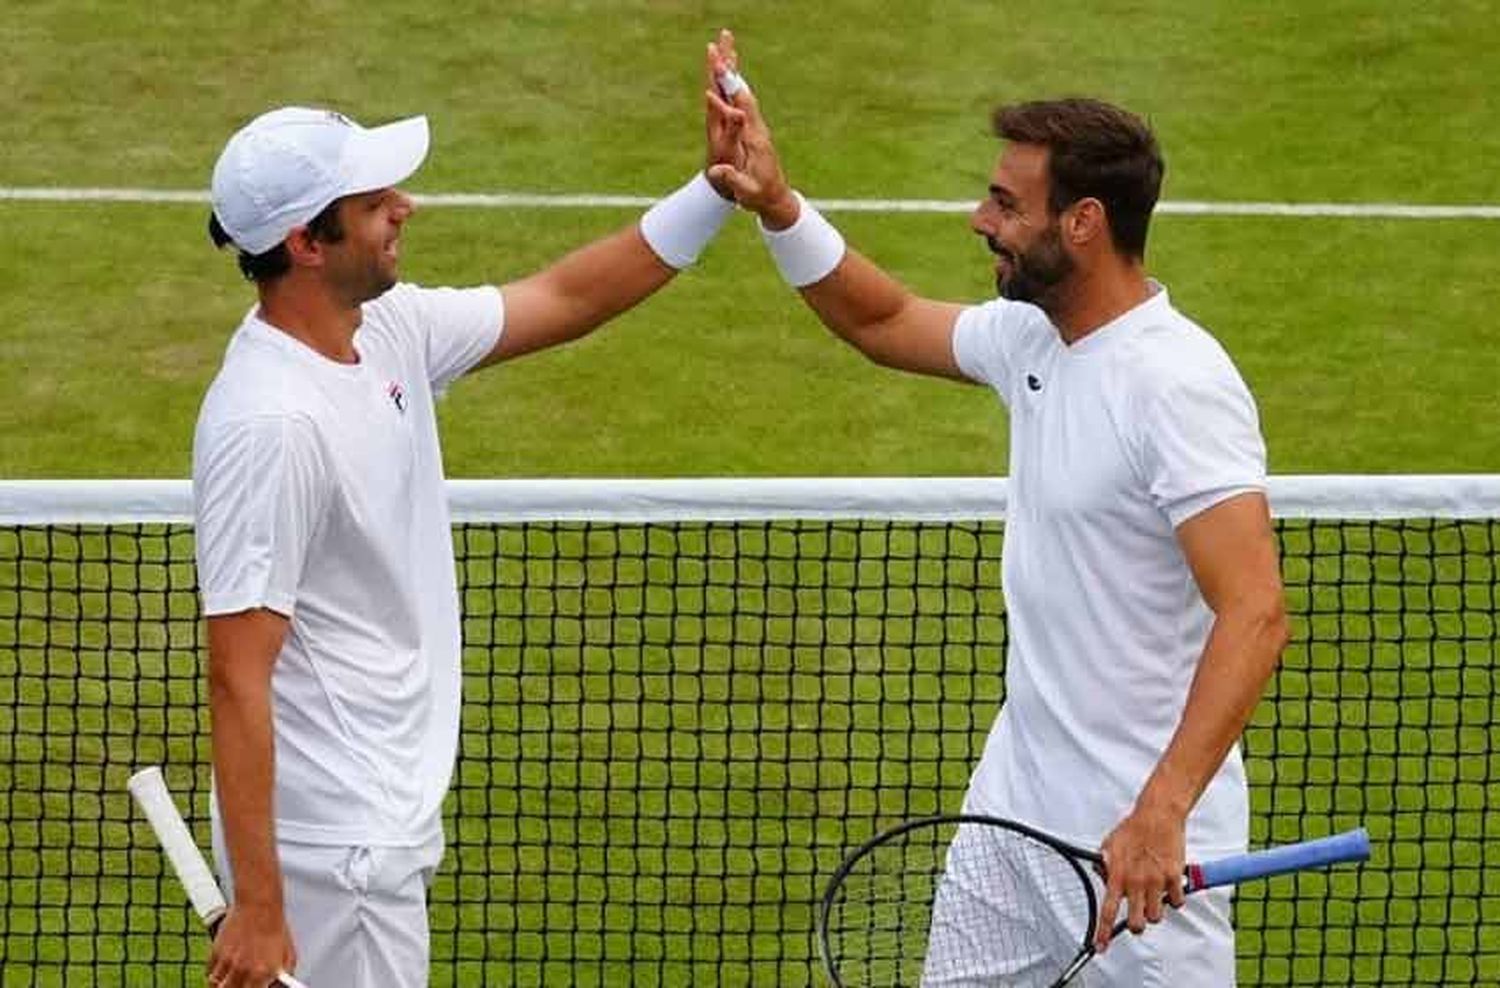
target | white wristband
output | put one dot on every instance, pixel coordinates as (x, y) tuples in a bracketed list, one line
[(678, 227), (808, 250)]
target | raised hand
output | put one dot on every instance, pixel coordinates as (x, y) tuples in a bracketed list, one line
[(752, 174), (722, 122)]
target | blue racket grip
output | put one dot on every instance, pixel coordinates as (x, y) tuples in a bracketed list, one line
[(1352, 845)]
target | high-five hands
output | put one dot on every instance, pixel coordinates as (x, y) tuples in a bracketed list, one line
[(744, 164)]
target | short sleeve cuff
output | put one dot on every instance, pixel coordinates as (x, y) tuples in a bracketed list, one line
[(1186, 508), (234, 602), (967, 345)]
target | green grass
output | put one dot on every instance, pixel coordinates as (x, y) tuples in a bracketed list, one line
[(1363, 340), (613, 748)]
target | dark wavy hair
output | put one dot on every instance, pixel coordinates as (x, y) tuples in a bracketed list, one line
[(1098, 151)]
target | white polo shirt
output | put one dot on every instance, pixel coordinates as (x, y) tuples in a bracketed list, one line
[(319, 494), (1115, 441)]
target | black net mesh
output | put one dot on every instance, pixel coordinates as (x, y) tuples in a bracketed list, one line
[(673, 732)]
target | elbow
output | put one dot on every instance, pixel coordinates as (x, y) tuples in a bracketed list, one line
[(1273, 628), (236, 681), (879, 357), (228, 686)]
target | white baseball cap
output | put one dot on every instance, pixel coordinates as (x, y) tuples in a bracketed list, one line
[(285, 167)]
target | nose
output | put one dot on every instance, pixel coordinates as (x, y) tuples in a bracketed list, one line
[(402, 206), (981, 220)]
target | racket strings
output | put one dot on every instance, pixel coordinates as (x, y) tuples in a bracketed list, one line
[(996, 908)]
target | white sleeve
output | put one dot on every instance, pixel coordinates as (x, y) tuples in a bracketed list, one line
[(986, 339), (455, 327), (1201, 441), (260, 487)]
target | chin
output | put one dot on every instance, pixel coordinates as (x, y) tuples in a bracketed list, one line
[(383, 281)]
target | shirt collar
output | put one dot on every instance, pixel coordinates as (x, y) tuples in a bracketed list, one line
[(1125, 323)]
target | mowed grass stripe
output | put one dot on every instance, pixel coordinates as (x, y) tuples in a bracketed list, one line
[(530, 200)]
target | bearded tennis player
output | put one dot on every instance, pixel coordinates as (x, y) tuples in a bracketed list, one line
[(1141, 578)]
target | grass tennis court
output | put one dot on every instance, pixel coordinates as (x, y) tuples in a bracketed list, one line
[(1367, 342)]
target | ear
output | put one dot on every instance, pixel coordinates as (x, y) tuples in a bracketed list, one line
[(306, 250), (1086, 221)]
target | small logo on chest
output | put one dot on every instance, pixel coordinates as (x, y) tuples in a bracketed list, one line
[(397, 396), (1033, 382)]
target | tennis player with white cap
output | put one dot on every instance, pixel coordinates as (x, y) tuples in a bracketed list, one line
[(324, 549)]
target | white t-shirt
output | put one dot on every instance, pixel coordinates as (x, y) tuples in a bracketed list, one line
[(1115, 441), (319, 494)]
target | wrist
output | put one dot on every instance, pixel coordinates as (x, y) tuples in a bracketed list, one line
[(1160, 797), (724, 191), (678, 227), (808, 248), (258, 904), (782, 212)]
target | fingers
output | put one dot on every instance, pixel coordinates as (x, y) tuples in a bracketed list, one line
[(740, 185), (729, 116), (724, 61), (1144, 890), (1114, 890), (714, 66), (1141, 904), (727, 49), (717, 66)]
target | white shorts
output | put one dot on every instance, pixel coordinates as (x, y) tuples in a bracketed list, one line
[(358, 915), (1193, 945)]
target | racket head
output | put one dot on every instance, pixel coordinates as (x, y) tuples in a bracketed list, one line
[(874, 921)]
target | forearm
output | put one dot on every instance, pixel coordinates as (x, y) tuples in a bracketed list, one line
[(850, 295), (1241, 653), (243, 649), (593, 284), (596, 283), (244, 764), (857, 301)]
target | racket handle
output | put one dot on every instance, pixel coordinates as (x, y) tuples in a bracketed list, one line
[(151, 795), (1352, 845)]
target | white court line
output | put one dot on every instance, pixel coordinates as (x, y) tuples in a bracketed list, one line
[(521, 200)]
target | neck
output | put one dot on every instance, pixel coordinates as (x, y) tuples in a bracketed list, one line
[(1098, 296), (309, 313)]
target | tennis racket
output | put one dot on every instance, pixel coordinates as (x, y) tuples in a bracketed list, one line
[(151, 795), (1019, 910)]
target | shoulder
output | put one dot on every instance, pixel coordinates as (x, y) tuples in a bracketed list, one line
[(255, 377), (990, 337), (411, 304), (1019, 320), (1172, 353), (259, 388), (409, 317)]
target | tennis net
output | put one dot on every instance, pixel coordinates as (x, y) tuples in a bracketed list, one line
[(685, 700)]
